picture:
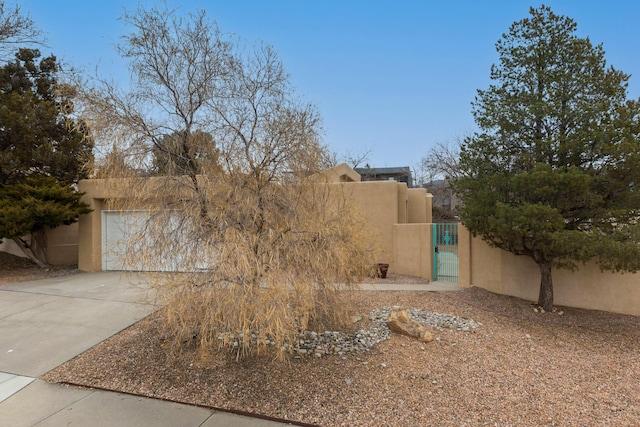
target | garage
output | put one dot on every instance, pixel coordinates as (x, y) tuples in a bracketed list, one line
[(129, 242), (126, 245)]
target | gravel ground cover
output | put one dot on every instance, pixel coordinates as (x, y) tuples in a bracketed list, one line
[(510, 366)]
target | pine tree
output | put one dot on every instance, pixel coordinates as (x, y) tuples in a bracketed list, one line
[(42, 153), (553, 173), (33, 206)]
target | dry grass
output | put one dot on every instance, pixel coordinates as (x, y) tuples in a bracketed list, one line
[(519, 368)]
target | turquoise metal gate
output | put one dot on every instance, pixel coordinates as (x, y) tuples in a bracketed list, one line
[(445, 252)]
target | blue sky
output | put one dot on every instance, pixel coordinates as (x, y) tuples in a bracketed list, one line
[(395, 77)]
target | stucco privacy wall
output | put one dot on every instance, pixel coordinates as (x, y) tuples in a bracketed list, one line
[(412, 249), (378, 201), (62, 245), (504, 273), (419, 206), (390, 207)]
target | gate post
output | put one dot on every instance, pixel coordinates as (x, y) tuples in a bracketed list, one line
[(434, 247), (464, 256)]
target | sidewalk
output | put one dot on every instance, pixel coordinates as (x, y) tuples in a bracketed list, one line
[(46, 322), (424, 287)]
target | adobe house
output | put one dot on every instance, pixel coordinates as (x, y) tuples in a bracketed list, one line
[(401, 216)]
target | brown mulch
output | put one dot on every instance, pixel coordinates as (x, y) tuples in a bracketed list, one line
[(519, 368)]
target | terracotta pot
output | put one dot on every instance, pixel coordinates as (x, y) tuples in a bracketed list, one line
[(382, 269)]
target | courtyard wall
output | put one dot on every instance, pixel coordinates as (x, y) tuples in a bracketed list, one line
[(502, 272)]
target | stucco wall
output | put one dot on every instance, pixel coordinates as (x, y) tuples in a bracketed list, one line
[(62, 245), (90, 229), (412, 249), (388, 205), (504, 273), (419, 208), (378, 201)]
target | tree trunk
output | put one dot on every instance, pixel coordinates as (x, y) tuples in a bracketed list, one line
[(28, 251), (545, 299), (39, 246)]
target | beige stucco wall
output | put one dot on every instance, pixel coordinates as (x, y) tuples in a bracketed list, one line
[(378, 201), (464, 257), (90, 225), (62, 245), (387, 205), (412, 249), (419, 211), (403, 202), (504, 273)]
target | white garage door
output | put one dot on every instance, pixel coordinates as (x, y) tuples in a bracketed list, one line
[(125, 246), (127, 243)]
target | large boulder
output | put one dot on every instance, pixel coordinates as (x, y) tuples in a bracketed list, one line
[(401, 322)]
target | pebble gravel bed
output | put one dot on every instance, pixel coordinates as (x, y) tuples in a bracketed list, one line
[(333, 342)]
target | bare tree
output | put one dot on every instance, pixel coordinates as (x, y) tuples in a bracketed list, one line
[(262, 243), (441, 162), (359, 158), (435, 170), (16, 30), (354, 159)]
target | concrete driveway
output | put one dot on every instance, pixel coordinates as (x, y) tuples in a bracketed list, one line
[(46, 322)]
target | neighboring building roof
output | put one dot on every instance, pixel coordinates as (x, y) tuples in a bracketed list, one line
[(401, 174), (384, 171), (436, 183)]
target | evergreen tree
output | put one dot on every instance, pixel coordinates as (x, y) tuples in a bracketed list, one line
[(42, 153), (183, 153), (38, 203), (553, 173)]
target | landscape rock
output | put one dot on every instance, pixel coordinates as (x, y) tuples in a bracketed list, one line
[(311, 343), (401, 322)]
